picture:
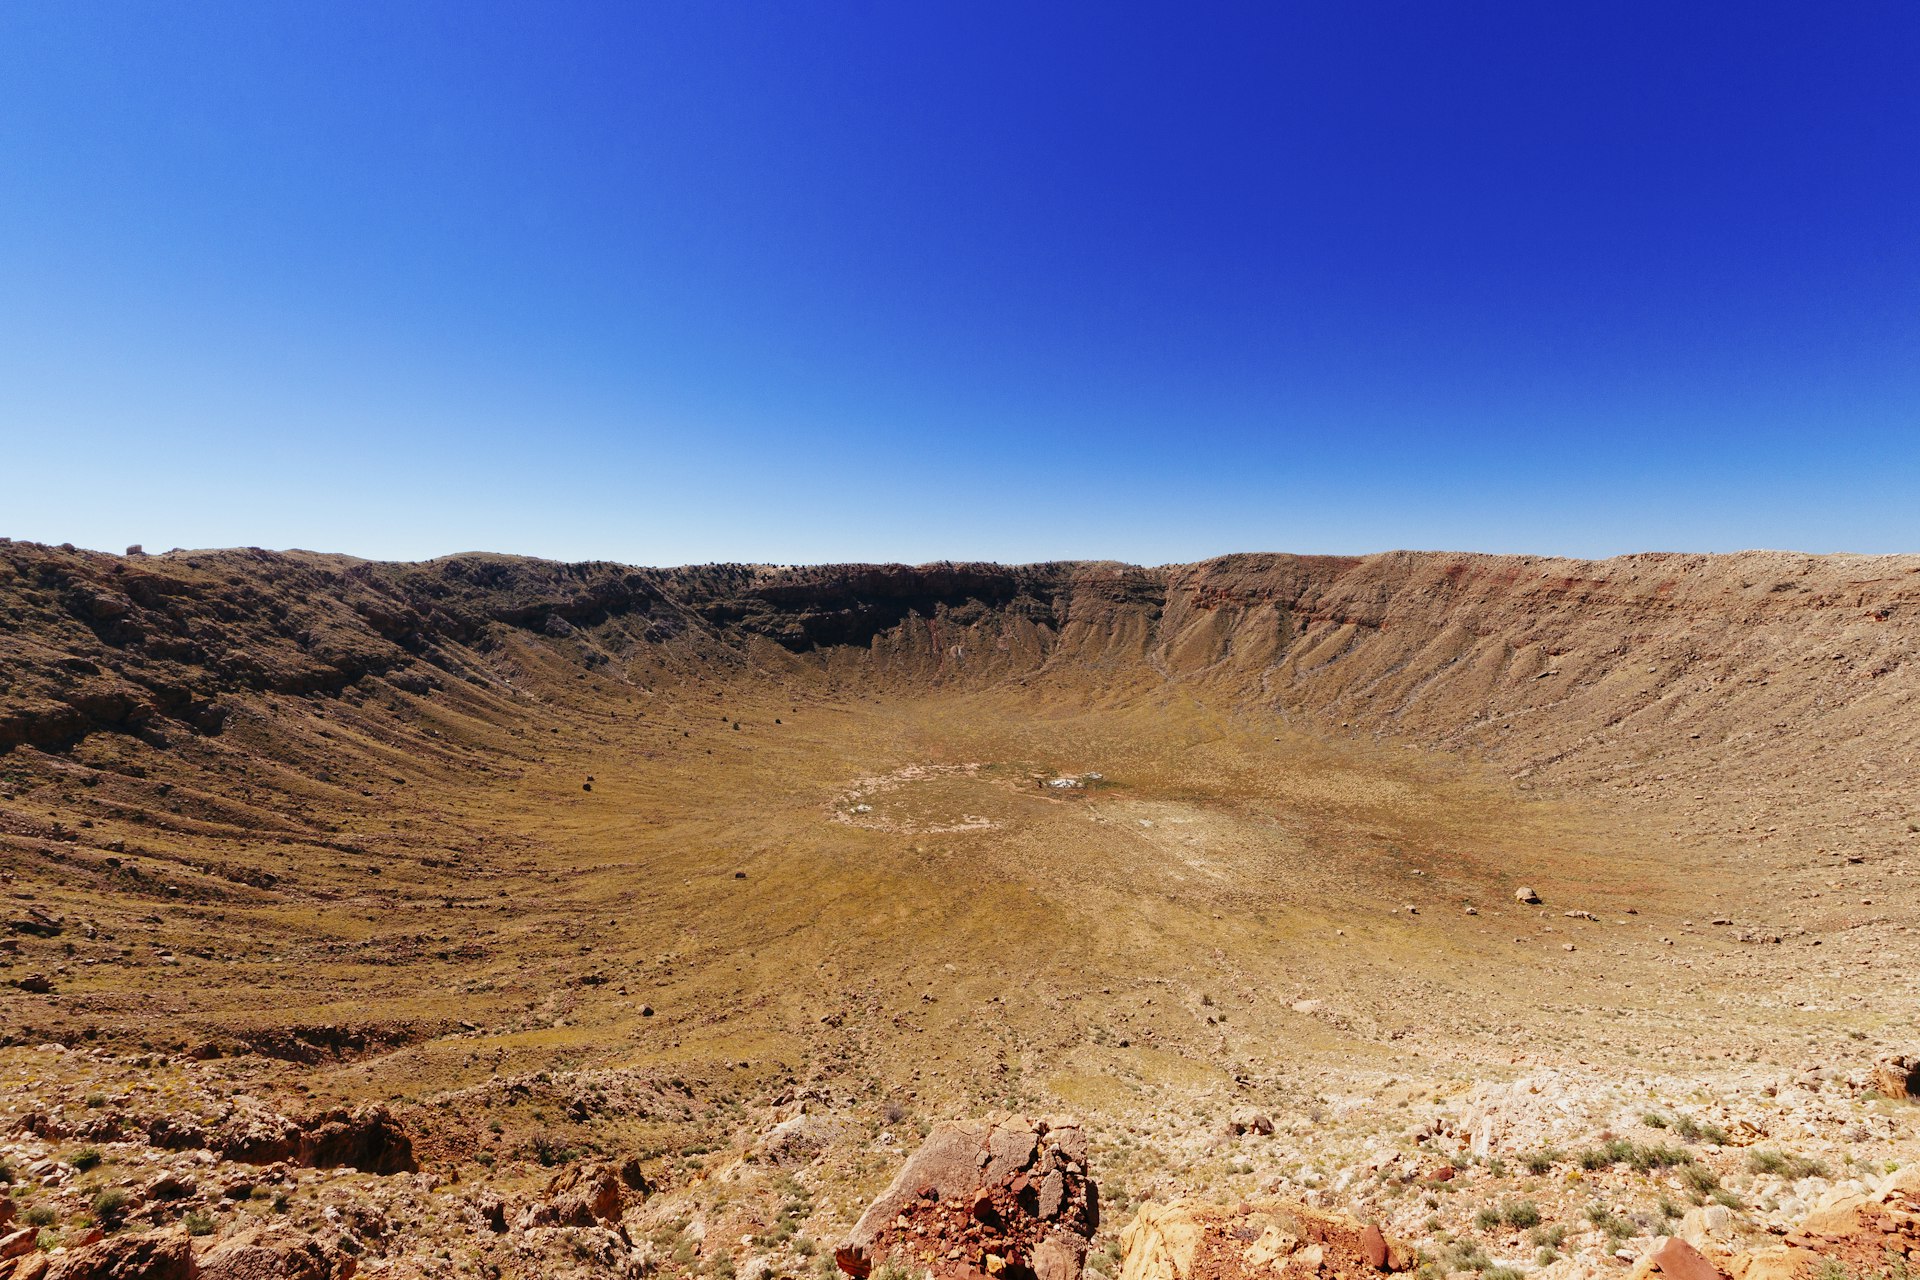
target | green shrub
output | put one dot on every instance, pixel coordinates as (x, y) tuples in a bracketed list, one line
[(1792, 1168), (38, 1215), (198, 1224), (1699, 1179), (1693, 1131), (1616, 1227), (1487, 1219), (110, 1206), (85, 1158), (1635, 1155), (1500, 1273), (1645, 1158), (1541, 1162), (1521, 1214)]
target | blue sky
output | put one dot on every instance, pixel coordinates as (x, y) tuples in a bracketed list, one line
[(669, 282)]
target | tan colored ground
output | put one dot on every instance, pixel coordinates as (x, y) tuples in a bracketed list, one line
[(839, 872)]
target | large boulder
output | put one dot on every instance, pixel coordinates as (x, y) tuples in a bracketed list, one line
[(157, 1255), (1898, 1076), (800, 1139), (1190, 1241), (1006, 1196), (269, 1254), (582, 1195)]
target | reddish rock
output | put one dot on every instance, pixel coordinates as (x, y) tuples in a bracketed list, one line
[(18, 1243), (1373, 1247), (584, 1195), (269, 1254), (1682, 1261), (160, 1255), (1006, 1196)]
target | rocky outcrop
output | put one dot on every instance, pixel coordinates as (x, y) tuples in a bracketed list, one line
[(158, 1255), (1898, 1075), (799, 1139), (583, 1195), (1850, 1234), (368, 1139), (1189, 1241), (268, 1254), (1006, 1197)]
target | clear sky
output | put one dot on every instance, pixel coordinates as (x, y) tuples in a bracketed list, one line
[(798, 281)]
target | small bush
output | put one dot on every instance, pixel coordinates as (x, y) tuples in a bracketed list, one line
[(85, 1158), (110, 1206), (1615, 1227), (1642, 1158), (1699, 1179), (1500, 1273), (198, 1224), (1792, 1168), (1541, 1162), (1521, 1214), (1654, 1120), (1693, 1131), (1645, 1158), (38, 1215), (1487, 1219)]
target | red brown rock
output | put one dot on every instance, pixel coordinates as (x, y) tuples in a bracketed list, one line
[(1682, 1261), (19, 1242), (1373, 1246), (581, 1196), (159, 1255), (267, 1254), (1006, 1196)]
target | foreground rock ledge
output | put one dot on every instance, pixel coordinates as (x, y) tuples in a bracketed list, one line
[(1189, 1241), (1007, 1197)]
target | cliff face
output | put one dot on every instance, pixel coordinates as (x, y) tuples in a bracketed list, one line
[(1588, 668)]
